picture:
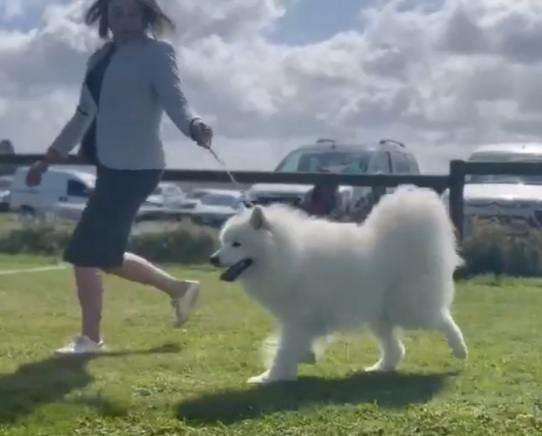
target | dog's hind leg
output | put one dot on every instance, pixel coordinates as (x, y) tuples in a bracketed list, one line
[(453, 334), (392, 349)]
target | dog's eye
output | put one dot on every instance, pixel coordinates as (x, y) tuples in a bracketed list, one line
[(236, 244)]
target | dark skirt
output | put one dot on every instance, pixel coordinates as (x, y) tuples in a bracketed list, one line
[(101, 236)]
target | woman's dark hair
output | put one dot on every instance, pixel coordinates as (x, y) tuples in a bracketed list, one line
[(155, 18)]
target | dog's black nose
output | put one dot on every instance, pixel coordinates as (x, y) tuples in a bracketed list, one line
[(215, 261)]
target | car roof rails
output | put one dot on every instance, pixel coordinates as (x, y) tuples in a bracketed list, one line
[(393, 141), (326, 141)]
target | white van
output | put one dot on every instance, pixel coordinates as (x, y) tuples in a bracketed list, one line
[(503, 197), (59, 188)]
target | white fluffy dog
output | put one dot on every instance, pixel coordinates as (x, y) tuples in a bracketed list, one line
[(317, 278)]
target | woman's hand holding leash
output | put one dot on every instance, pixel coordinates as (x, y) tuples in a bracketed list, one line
[(202, 134)]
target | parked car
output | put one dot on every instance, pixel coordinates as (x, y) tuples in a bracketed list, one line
[(502, 197), (63, 193), (325, 155), (169, 194), (216, 206), (59, 186)]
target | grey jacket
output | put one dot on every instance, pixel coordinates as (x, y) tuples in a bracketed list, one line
[(141, 82)]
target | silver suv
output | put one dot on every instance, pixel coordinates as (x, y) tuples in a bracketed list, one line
[(326, 155)]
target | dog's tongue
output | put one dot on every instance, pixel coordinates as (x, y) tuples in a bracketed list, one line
[(235, 270)]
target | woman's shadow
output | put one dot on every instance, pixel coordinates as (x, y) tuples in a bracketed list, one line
[(393, 390), (35, 384)]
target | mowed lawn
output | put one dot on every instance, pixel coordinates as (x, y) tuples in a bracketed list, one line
[(157, 380)]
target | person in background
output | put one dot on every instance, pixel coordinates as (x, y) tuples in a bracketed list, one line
[(323, 200), (130, 81)]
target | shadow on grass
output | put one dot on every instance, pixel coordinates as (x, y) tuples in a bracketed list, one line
[(39, 383), (386, 390)]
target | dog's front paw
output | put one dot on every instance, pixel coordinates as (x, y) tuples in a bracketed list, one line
[(379, 367), (268, 377), (261, 379), (461, 352)]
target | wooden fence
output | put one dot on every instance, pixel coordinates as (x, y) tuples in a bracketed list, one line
[(454, 181)]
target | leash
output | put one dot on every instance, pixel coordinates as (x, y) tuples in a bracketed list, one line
[(228, 172), (245, 202)]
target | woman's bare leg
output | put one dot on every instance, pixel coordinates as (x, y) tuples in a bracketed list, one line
[(90, 294), (137, 269), (183, 293)]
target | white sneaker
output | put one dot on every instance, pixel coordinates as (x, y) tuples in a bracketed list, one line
[(82, 345), (183, 304)]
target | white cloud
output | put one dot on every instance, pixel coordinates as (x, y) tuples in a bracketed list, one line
[(11, 9), (231, 20), (441, 78)]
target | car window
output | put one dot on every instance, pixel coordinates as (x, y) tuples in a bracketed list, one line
[(173, 190), (402, 164), (381, 163), (77, 189), (414, 167), (336, 161)]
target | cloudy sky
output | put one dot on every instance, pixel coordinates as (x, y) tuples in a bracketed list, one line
[(269, 75)]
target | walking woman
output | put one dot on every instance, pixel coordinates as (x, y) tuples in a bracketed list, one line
[(130, 81)]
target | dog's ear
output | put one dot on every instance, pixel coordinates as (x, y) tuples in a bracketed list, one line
[(258, 219)]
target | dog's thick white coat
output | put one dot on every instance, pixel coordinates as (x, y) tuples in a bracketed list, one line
[(318, 278)]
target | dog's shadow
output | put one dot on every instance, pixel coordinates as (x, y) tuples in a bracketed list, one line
[(47, 381), (393, 390)]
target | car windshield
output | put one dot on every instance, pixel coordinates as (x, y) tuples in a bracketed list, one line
[(506, 179), (219, 200), (345, 162)]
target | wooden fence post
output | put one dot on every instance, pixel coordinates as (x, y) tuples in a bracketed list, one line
[(457, 185)]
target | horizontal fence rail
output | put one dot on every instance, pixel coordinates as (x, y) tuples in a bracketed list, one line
[(454, 181), (429, 181)]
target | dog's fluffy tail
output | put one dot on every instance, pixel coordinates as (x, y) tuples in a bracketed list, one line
[(413, 232), (416, 218)]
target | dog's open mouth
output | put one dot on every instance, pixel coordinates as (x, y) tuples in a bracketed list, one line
[(234, 271)]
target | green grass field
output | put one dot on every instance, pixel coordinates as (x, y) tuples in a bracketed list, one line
[(160, 381)]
